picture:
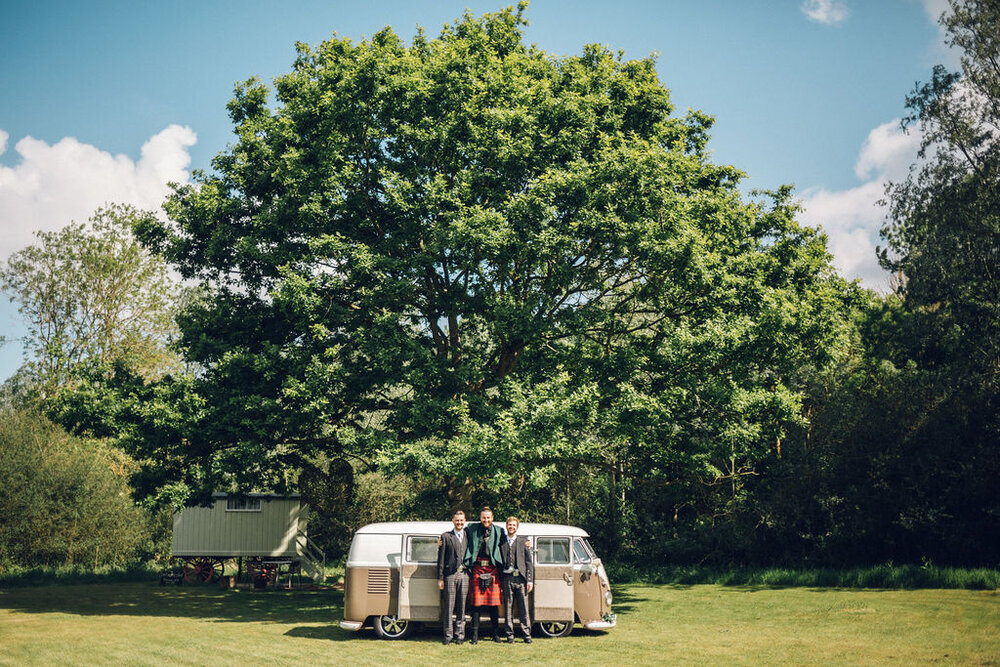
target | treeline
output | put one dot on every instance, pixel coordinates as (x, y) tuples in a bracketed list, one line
[(463, 272)]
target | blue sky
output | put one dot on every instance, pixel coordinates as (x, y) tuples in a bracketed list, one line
[(106, 101)]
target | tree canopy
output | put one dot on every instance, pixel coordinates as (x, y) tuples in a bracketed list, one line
[(467, 258)]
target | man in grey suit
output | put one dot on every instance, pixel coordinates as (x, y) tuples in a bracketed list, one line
[(453, 579), (517, 579)]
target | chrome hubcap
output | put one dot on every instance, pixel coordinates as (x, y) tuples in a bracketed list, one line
[(392, 625)]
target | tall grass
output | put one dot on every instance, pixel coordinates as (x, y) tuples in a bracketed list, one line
[(887, 576)]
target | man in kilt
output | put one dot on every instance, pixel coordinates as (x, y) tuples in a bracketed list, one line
[(483, 559)]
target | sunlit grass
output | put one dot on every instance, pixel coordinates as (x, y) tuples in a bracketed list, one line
[(143, 623)]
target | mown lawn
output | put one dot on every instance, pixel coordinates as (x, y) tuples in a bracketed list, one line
[(142, 624)]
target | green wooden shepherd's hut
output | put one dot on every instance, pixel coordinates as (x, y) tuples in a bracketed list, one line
[(266, 531)]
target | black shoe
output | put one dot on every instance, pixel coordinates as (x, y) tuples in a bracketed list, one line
[(459, 641), (474, 640), (527, 640), (446, 641), (496, 638), (510, 640)]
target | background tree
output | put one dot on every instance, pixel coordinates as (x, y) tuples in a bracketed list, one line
[(943, 235), (90, 294), (943, 232), (899, 457)]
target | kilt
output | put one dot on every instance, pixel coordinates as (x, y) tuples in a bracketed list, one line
[(490, 597)]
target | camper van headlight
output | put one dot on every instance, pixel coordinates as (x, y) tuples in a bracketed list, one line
[(607, 596)]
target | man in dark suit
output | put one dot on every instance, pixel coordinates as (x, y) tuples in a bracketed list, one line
[(453, 579), (517, 579)]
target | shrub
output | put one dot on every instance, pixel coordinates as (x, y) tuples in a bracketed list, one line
[(63, 500)]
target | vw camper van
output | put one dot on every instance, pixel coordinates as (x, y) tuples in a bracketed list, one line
[(390, 583)]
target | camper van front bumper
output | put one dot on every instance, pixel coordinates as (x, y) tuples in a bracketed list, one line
[(605, 623), (352, 626)]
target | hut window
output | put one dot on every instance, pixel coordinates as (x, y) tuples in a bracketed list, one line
[(242, 504)]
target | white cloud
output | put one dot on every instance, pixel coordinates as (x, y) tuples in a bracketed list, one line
[(939, 51), (827, 12), (887, 153), (935, 8), (851, 218), (54, 185)]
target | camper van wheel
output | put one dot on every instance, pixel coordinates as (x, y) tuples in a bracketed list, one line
[(392, 627), (555, 628), (202, 570)]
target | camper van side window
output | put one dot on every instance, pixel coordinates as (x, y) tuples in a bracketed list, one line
[(242, 504), (552, 550), (421, 549)]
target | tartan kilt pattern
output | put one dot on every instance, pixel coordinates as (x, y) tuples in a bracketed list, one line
[(491, 597)]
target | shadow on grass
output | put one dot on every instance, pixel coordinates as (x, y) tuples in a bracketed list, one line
[(142, 599), (313, 614), (425, 633), (330, 633), (625, 600)]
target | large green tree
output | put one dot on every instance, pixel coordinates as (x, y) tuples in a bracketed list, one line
[(469, 259)]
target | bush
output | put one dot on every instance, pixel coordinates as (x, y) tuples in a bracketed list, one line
[(63, 500)]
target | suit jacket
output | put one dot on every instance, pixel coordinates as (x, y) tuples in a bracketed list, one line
[(518, 556), (476, 535), (451, 553)]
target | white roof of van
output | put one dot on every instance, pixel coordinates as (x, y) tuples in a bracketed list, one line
[(438, 527)]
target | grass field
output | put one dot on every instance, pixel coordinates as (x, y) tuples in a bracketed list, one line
[(146, 624)]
